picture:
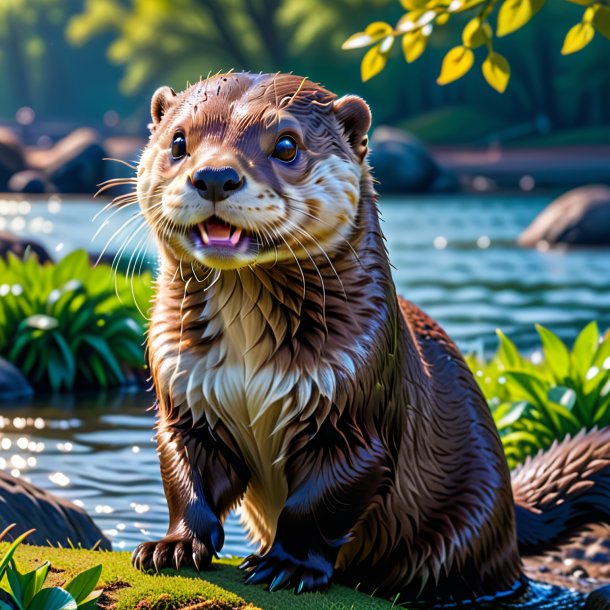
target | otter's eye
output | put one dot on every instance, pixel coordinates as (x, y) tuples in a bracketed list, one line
[(178, 146), (286, 149)]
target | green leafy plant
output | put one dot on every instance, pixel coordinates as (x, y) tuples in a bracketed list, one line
[(26, 592), (69, 323), (537, 400), (416, 26)]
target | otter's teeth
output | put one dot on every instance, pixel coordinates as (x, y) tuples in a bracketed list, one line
[(204, 233), (235, 237)]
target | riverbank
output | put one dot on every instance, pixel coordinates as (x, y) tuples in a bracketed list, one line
[(221, 588), (492, 169)]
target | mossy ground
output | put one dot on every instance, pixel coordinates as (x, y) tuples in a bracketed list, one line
[(221, 588)]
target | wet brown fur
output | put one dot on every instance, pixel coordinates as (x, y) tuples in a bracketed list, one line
[(387, 460)]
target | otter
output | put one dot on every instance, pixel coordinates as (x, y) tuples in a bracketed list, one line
[(291, 378)]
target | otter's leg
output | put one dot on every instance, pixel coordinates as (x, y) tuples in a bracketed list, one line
[(332, 480), (203, 478)]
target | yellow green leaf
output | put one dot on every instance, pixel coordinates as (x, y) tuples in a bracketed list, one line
[(412, 5), (373, 63), (496, 71), (601, 21), (578, 38), (582, 2), (455, 64), (590, 13), (443, 18), (459, 6), (373, 33), (514, 14), (476, 33), (413, 45), (409, 21)]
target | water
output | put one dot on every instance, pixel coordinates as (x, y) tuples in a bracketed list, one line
[(454, 256)]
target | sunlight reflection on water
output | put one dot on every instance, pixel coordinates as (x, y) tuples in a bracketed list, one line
[(454, 256)]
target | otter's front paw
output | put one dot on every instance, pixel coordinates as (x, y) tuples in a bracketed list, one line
[(173, 551), (280, 570)]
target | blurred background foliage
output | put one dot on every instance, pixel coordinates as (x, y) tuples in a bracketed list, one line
[(73, 60)]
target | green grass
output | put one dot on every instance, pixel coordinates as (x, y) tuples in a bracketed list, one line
[(220, 588)]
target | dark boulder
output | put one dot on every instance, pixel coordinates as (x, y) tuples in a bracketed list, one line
[(20, 245), (75, 164), (599, 599), (402, 164), (57, 520), (580, 217), (13, 385), (28, 181), (12, 156)]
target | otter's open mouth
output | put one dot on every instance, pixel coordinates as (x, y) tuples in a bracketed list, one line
[(216, 233)]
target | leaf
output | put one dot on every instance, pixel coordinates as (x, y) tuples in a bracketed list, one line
[(578, 38), (601, 21), (510, 414), (18, 585), (374, 32), (81, 586), (508, 356), (528, 387), (41, 322), (8, 555), (373, 63), (465, 5), (53, 598), (556, 355), (585, 349), (496, 71), (514, 14), (412, 5), (39, 577), (476, 33), (413, 45), (456, 63), (566, 397)]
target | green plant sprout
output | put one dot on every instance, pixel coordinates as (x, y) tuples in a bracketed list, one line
[(416, 26), (25, 591), (537, 402), (69, 323)]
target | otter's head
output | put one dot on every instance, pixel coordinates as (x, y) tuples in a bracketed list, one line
[(248, 169)]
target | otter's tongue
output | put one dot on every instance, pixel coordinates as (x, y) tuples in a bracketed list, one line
[(216, 232)]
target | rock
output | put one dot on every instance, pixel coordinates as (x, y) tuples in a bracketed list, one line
[(13, 385), (580, 217), (57, 520), (402, 164), (28, 181), (19, 245), (599, 599), (75, 164), (12, 156)]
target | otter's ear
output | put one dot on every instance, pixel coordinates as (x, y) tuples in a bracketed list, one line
[(354, 115), (162, 99)]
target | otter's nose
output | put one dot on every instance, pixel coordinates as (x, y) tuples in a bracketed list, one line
[(217, 183)]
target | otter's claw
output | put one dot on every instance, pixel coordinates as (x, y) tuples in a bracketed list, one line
[(172, 552), (282, 571)]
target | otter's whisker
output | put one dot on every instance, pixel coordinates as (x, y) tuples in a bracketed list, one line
[(322, 285), (323, 251), (302, 210), (280, 236), (122, 162)]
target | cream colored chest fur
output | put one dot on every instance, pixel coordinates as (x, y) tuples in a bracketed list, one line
[(256, 395)]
